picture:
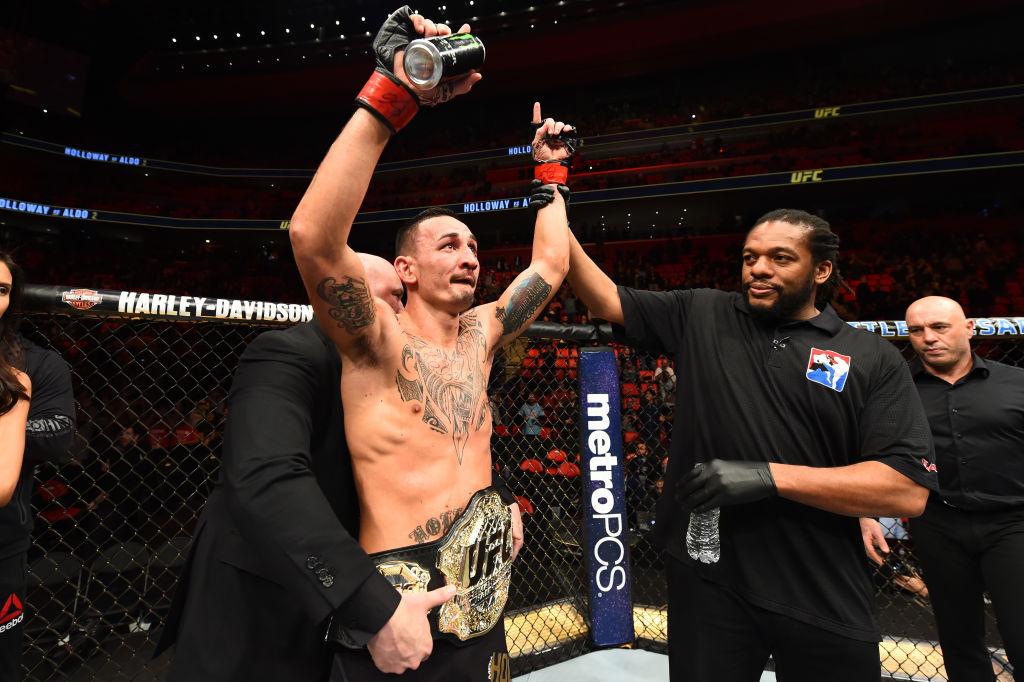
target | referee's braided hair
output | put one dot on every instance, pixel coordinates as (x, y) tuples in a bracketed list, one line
[(822, 242)]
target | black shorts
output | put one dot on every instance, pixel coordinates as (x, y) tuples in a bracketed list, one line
[(484, 659)]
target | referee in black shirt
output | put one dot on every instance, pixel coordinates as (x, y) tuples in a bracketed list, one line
[(971, 536), (793, 423)]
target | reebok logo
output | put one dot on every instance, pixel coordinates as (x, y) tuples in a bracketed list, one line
[(11, 614)]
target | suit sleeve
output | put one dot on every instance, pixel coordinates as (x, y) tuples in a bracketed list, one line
[(50, 430), (273, 493)]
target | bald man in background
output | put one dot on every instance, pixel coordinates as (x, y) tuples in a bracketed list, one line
[(970, 539)]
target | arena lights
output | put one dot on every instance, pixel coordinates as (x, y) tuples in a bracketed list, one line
[(237, 34), (174, 40)]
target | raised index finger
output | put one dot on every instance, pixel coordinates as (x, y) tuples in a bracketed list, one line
[(536, 113)]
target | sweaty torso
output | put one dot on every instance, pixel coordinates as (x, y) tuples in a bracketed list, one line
[(419, 432)]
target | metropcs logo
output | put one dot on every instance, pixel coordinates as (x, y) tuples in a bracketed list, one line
[(83, 299), (605, 469), (11, 614)]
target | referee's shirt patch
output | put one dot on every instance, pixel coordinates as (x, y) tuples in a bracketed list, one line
[(828, 368)]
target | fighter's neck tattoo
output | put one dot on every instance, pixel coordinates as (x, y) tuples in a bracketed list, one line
[(350, 303), (525, 300), (450, 384)]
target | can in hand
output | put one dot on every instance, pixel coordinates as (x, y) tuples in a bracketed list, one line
[(428, 61)]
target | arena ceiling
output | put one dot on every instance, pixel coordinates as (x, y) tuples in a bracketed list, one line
[(234, 57)]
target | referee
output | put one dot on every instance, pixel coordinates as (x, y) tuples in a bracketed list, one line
[(794, 423)]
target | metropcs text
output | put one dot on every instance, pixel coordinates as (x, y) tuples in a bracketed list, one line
[(606, 471)]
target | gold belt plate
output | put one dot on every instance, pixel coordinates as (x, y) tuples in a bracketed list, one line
[(476, 556)]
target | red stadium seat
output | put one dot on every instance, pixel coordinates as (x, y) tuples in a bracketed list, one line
[(532, 466)]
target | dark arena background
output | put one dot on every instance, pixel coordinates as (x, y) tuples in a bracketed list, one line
[(154, 150)]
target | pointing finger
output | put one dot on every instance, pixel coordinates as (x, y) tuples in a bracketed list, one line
[(536, 112)]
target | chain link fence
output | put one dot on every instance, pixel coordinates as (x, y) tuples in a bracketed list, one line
[(112, 526)]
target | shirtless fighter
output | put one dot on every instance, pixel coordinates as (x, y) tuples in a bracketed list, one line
[(414, 384)]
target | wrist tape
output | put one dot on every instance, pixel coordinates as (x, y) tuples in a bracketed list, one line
[(388, 99)]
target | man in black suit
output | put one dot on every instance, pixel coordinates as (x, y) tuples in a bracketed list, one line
[(274, 554)]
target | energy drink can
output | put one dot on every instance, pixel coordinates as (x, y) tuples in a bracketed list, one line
[(428, 61)]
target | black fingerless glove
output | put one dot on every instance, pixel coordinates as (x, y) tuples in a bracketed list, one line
[(384, 95), (556, 171)]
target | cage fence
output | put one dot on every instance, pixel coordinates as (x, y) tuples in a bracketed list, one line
[(113, 524)]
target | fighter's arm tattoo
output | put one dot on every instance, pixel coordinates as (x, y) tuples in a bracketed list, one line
[(526, 299), (435, 526), (350, 303)]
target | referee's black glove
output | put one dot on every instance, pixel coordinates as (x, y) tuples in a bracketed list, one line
[(720, 483), (541, 195)]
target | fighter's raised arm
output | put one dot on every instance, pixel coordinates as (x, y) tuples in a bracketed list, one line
[(333, 275), (554, 143)]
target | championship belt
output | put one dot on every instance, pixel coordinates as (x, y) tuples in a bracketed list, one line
[(475, 555)]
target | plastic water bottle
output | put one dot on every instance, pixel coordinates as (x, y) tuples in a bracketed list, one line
[(702, 543)]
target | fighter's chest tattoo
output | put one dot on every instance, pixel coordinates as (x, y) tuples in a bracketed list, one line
[(449, 384)]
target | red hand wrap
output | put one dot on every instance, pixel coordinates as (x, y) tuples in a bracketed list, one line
[(551, 173), (390, 100)]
